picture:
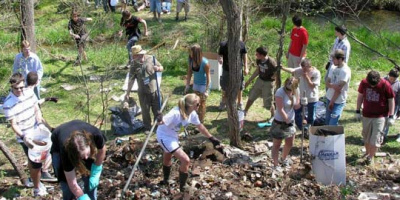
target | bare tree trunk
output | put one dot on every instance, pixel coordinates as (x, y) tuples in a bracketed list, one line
[(285, 7), (246, 21), (28, 23), (13, 161), (232, 13)]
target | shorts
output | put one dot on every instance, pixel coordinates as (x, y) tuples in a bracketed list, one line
[(280, 131), (372, 130), (81, 41), (293, 60), (265, 89), (168, 144), (155, 6), (224, 81), (35, 165), (180, 5)]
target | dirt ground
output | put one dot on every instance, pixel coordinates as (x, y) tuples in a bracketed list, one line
[(232, 174)]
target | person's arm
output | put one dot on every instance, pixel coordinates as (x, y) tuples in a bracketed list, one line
[(71, 32), (246, 69), (38, 114), (279, 108), (360, 99), (287, 53), (87, 19), (254, 75), (101, 155), (289, 70), (145, 26), (336, 94), (309, 81), (16, 129), (188, 78), (73, 184), (203, 130), (39, 70), (208, 76), (303, 51), (16, 64), (132, 78), (391, 106)]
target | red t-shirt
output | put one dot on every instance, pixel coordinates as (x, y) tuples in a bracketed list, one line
[(299, 37), (375, 101)]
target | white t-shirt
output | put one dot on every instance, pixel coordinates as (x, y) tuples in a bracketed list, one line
[(22, 110), (174, 123), (337, 75), (287, 105), (312, 94)]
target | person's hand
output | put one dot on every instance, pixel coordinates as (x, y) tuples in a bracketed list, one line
[(159, 117), (94, 179), (328, 64), (246, 71), (304, 101), (186, 89), (120, 33), (357, 115), (206, 93), (390, 121), (330, 106), (214, 141), (84, 197), (288, 121), (76, 36), (146, 33), (29, 142)]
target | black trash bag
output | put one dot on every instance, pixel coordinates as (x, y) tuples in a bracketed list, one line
[(320, 114), (123, 120)]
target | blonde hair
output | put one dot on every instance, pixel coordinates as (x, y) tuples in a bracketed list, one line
[(197, 55), (185, 102), (294, 86), (25, 44)]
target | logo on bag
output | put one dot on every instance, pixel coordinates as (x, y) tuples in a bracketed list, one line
[(328, 155)]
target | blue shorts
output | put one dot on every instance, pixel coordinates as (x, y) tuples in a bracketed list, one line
[(155, 5)]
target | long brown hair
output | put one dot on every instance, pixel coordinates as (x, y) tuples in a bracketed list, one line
[(195, 55), (185, 102), (76, 143)]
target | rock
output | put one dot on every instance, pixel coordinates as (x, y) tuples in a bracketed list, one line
[(258, 184)]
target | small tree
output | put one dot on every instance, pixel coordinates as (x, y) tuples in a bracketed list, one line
[(232, 13), (28, 23)]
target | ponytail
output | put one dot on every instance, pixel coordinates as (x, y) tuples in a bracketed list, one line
[(185, 102)]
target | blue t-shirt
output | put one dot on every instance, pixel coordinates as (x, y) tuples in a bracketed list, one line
[(199, 77)]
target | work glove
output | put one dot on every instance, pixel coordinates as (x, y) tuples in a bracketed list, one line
[(29, 142), (357, 115), (327, 65), (84, 197), (54, 99), (214, 141), (390, 121), (94, 179), (159, 117), (304, 101)]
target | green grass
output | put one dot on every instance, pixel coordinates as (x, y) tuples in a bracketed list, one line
[(106, 53)]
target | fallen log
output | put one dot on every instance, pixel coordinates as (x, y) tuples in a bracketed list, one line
[(10, 156)]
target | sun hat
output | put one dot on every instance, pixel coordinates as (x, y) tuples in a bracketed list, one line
[(137, 49)]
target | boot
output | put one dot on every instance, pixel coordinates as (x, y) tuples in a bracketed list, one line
[(166, 172), (182, 180)]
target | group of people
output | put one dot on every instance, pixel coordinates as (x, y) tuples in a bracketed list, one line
[(80, 147)]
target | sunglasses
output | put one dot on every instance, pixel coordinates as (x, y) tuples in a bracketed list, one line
[(18, 88)]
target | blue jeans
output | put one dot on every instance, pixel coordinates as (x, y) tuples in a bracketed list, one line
[(386, 129), (311, 107), (129, 45), (155, 6), (67, 194), (332, 116)]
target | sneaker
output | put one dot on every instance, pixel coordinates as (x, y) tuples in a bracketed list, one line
[(47, 177), (40, 192), (287, 163), (159, 21), (28, 183), (398, 139), (364, 160), (176, 18), (240, 106), (271, 120), (185, 18)]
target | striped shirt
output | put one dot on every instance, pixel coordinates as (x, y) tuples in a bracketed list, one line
[(343, 45), (22, 110)]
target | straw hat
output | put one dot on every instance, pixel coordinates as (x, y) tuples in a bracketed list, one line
[(137, 49)]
